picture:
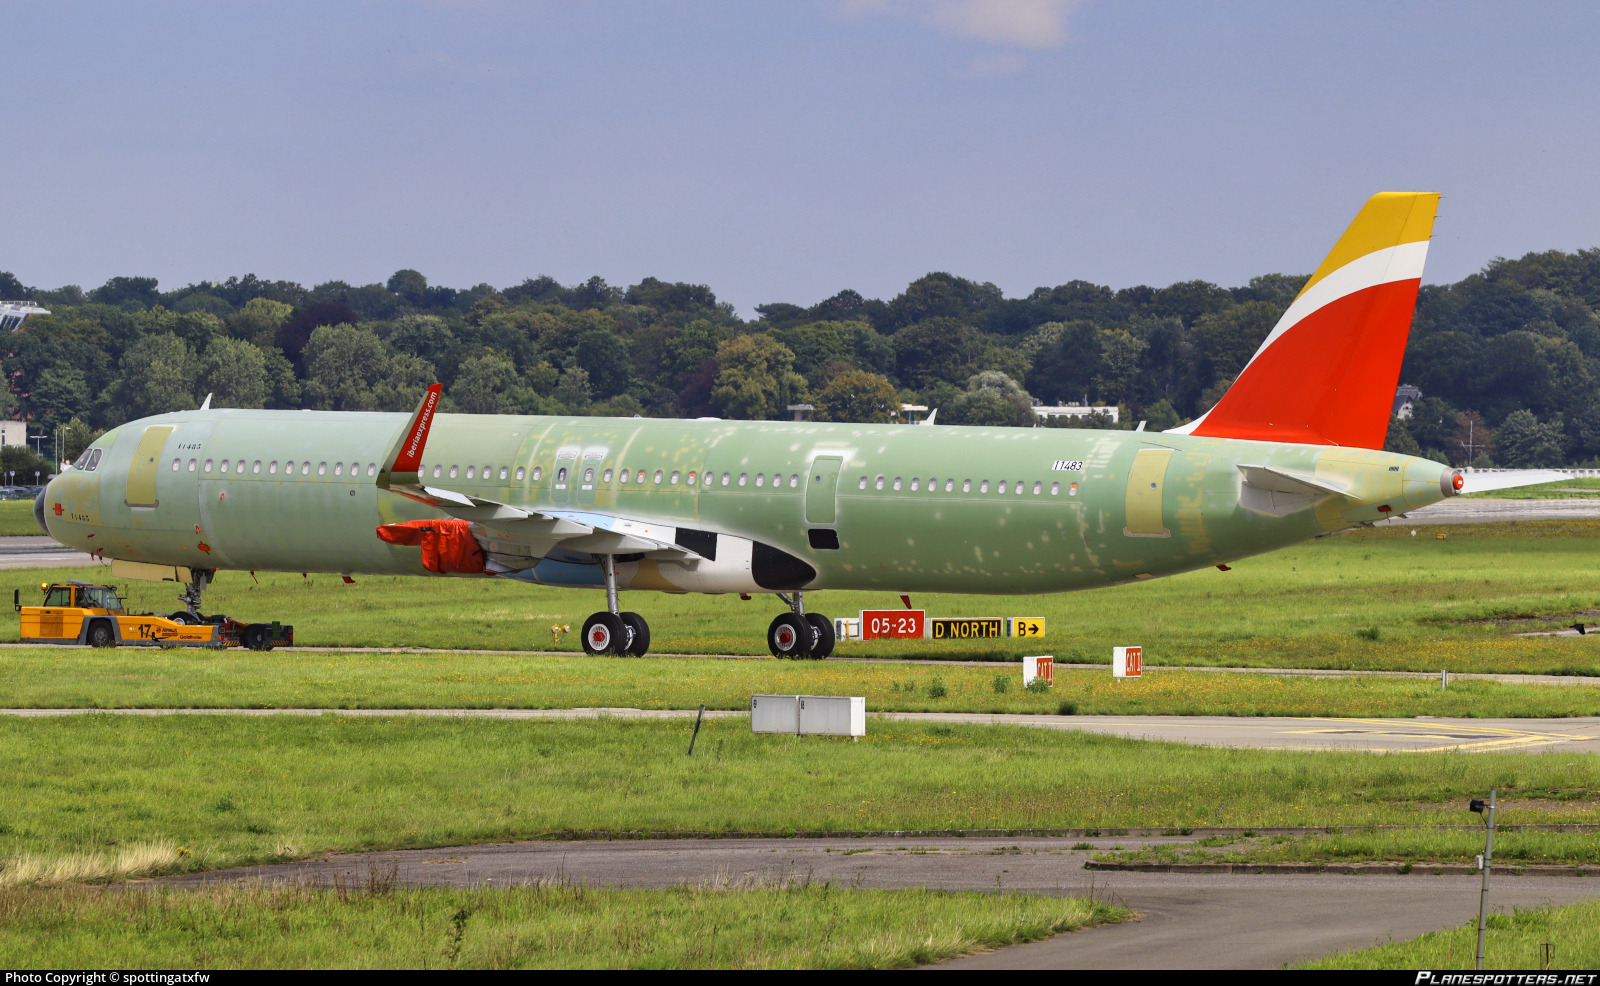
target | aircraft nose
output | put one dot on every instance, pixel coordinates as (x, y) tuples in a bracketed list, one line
[(38, 509)]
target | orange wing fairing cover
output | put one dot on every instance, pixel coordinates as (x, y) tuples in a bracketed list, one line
[(448, 546)]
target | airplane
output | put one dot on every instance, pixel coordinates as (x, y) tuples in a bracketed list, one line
[(1291, 452)]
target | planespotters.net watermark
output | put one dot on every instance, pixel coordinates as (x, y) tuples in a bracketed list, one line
[(107, 978), (1507, 978)]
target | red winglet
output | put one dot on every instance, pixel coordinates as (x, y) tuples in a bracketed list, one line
[(410, 456)]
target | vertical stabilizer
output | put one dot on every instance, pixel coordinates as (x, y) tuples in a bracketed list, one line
[(1327, 372)]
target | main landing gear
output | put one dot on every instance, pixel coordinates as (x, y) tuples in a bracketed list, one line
[(613, 632), (798, 635)]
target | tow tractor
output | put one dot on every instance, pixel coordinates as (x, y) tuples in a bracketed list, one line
[(85, 613)]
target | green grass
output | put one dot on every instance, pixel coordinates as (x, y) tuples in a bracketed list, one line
[(89, 797), (132, 677), (1419, 846), (1563, 489), (1433, 603), (559, 926), (16, 519), (1513, 941)]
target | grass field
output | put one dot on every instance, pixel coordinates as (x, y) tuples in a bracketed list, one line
[(1419, 846), (1513, 941), (1564, 489), (189, 678), (16, 519), (378, 926), (99, 797), (1379, 598)]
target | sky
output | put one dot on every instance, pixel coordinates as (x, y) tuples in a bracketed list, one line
[(782, 151)]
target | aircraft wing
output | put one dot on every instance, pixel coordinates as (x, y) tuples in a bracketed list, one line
[(517, 533)]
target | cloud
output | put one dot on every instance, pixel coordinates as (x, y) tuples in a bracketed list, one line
[(1015, 23)]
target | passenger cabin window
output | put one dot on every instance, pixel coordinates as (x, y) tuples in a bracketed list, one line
[(966, 486), (588, 475), (710, 479), (897, 483), (658, 477), (338, 469), (456, 471), (486, 471), (322, 469), (176, 464), (504, 472), (605, 477), (469, 472), (1038, 488), (1000, 487), (862, 484), (257, 467), (761, 478), (207, 466), (624, 477), (437, 470), (222, 466), (878, 483), (305, 468), (726, 479), (949, 486), (1019, 487), (794, 480), (561, 474), (983, 487), (272, 467), (916, 484), (674, 477), (742, 477), (521, 473), (372, 469)]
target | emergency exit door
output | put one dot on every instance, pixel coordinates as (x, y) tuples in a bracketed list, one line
[(822, 489), (142, 471), (1145, 481)]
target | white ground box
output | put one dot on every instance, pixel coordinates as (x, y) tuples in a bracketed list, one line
[(1034, 668), (775, 714), (809, 715), (847, 628), (833, 715)]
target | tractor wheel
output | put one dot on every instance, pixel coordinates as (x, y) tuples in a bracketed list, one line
[(101, 634)]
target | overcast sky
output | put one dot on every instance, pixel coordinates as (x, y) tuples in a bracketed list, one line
[(782, 151)]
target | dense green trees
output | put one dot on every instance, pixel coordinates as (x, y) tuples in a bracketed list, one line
[(1508, 359)]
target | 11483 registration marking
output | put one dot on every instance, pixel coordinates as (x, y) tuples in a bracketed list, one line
[(1067, 465)]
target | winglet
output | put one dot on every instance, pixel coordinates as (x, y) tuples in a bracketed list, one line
[(405, 456)]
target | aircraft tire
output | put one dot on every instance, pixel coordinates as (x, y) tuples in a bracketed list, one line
[(640, 644), (101, 634), (604, 633), (182, 616), (791, 637), (256, 636), (825, 637)]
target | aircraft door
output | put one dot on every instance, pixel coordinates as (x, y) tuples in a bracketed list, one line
[(1146, 479), (822, 491), (142, 470), (561, 481), (588, 474)]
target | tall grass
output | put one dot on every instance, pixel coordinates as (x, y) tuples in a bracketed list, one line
[(1433, 602), (234, 790), (548, 926), (187, 678), (1513, 941)]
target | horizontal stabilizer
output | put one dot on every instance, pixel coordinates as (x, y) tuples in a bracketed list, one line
[(1507, 479), (1287, 481)]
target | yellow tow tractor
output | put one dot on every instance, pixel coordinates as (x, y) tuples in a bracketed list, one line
[(84, 613)]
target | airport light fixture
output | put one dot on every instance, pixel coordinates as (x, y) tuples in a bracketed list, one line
[(1486, 809)]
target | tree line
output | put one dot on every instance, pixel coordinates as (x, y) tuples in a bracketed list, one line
[(1507, 358)]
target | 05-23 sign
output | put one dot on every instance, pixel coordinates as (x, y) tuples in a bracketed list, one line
[(889, 624)]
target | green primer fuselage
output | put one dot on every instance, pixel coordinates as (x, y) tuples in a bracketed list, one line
[(943, 509)]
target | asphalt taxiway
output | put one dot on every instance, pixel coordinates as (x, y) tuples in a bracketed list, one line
[(1184, 920)]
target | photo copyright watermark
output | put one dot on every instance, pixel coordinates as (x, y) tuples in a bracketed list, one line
[(1507, 978), (107, 978)]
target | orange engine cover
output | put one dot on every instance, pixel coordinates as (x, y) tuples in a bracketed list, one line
[(448, 546)]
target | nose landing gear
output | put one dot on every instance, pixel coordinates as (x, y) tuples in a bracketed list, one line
[(798, 635), (190, 614), (614, 632)]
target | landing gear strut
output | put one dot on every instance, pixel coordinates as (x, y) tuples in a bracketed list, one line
[(190, 614), (798, 635), (615, 632)]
